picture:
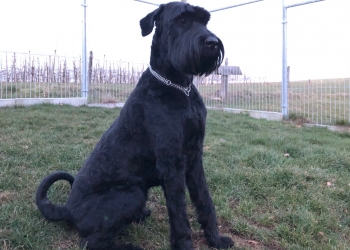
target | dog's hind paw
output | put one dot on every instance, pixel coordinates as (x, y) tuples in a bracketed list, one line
[(128, 247), (223, 242), (144, 214)]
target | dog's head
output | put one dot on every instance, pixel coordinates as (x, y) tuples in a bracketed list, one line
[(182, 40)]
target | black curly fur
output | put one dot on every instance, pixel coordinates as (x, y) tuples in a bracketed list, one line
[(157, 140)]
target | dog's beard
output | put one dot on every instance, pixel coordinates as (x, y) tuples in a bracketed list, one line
[(195, 58), (211, 59)]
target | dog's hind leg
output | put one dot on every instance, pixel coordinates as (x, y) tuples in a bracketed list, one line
[(199, 193), (105, 215)]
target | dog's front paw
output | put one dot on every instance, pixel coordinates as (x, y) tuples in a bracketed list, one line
[(223, 242), (182, 244)]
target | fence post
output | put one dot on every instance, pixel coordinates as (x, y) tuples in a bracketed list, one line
[(195, 81), (284, 101), (84, 80), (285, 78), (7, 72), (90, 66), (14, 74), (224, 82), (53, 76)]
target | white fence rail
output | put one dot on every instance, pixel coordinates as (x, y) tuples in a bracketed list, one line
[(24, 75), (242, 93), (323, 101)]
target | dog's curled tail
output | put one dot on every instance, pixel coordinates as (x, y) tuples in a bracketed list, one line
[(50, 211)]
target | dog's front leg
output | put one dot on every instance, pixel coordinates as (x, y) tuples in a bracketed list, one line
[(173, 183), (199, 193)]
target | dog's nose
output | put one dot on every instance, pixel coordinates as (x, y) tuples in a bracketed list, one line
[(211, 42)]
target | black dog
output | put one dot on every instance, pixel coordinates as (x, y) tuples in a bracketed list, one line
[(156, 140)]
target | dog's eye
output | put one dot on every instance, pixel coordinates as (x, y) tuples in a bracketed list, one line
[(182, 20)]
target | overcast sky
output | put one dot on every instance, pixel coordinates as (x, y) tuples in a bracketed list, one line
[(318, 33)]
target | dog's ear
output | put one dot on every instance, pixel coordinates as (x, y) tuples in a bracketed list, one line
[(147, 23)]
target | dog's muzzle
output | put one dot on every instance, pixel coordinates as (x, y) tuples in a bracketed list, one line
[(211, 42)]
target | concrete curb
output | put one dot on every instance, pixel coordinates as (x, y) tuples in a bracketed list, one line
[(106, 105), (339, 129), (79, 101), (272, 116)]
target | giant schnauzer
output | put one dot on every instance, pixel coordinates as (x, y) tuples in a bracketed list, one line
[(156, 140)]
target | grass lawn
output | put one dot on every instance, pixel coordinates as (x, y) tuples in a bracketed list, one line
[(264, 199)]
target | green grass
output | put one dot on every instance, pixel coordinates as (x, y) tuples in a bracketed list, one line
[(264, 199)]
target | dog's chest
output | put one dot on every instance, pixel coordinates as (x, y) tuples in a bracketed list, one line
[(194, 128)]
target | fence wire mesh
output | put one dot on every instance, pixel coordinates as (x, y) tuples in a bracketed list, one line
[(24, 75), (242, 93), (322, 101), (113, 81)]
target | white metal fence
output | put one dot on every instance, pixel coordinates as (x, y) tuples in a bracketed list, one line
[(24, 75), (113, 81), (319, 101), (242, 93), (323, 101)]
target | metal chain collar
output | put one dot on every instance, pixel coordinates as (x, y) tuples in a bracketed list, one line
[(169, 83)]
